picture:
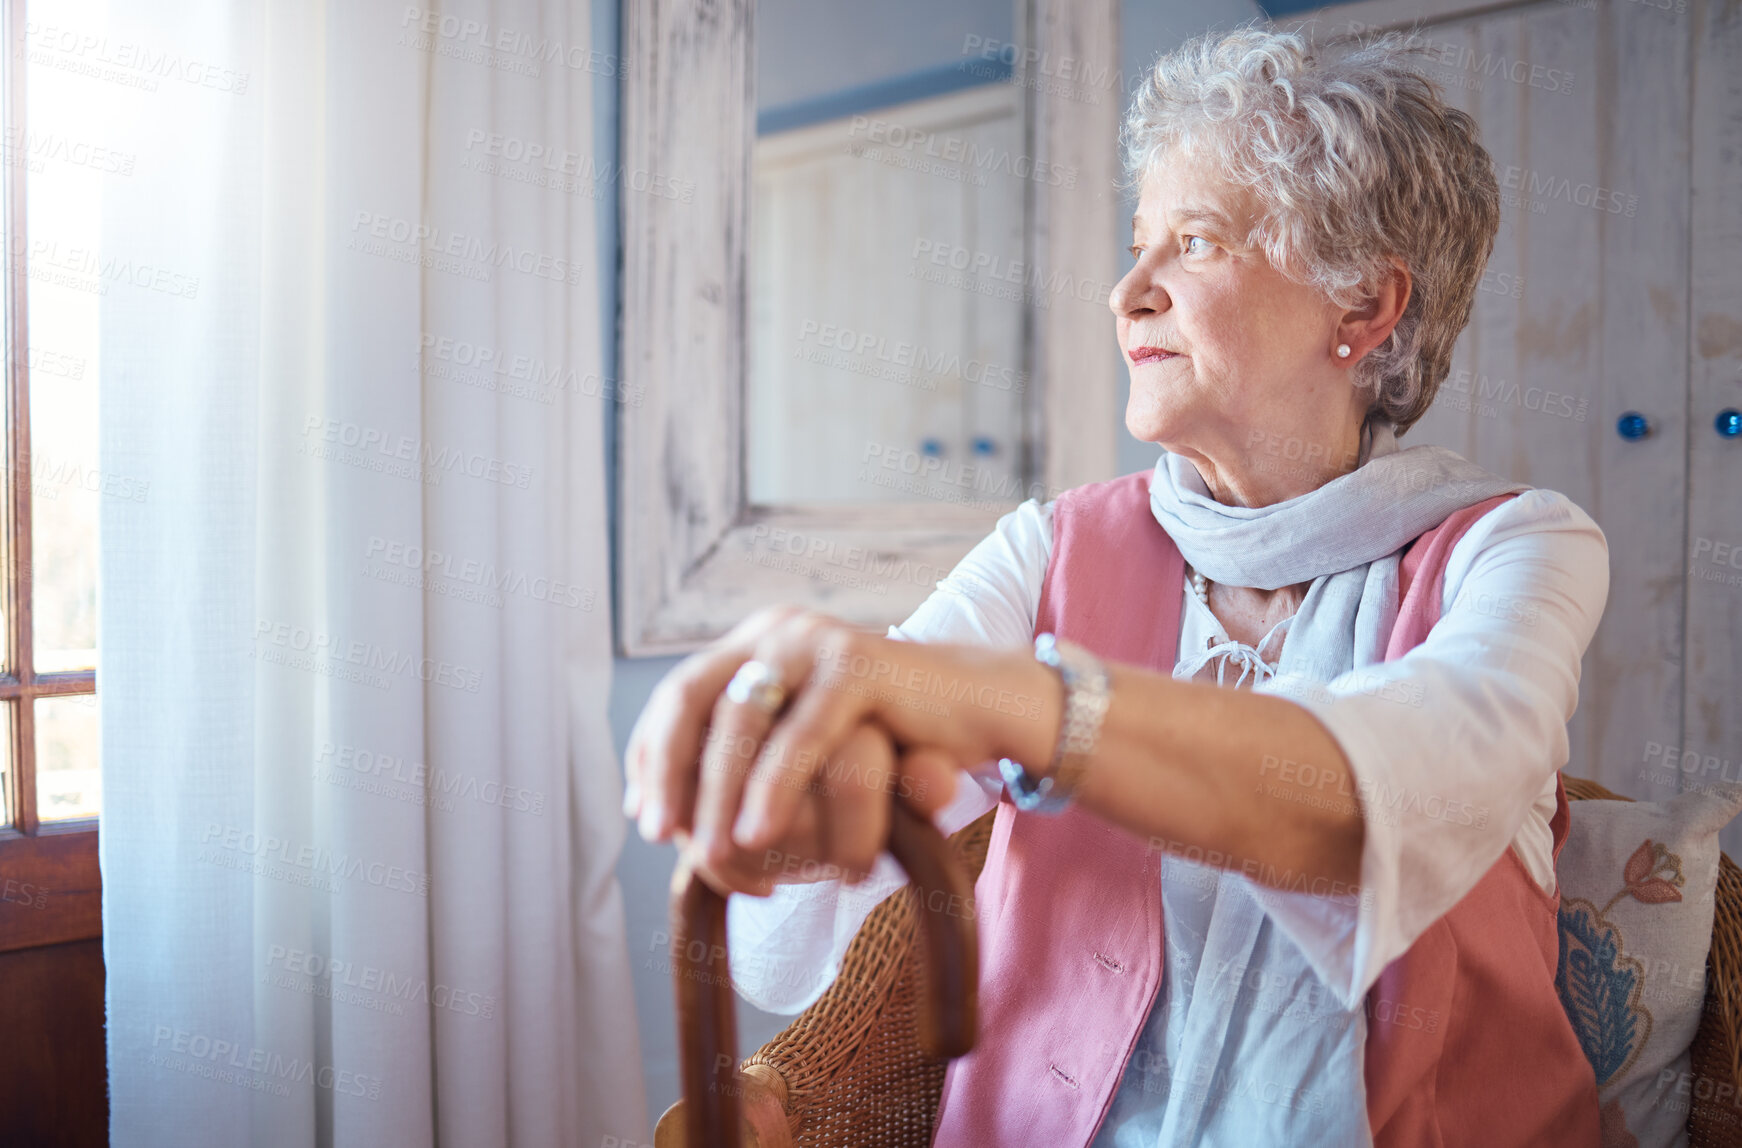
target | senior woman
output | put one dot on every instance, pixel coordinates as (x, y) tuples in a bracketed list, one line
[(1277, 785)]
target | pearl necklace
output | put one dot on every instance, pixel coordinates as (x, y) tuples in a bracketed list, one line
[(1201, 587)]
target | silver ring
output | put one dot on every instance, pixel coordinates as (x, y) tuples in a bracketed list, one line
[(757, 684)]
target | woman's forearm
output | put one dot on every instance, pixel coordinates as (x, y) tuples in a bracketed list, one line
[(1251, 776), (1253, 780)]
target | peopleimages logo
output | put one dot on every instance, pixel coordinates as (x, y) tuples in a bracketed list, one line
[(502, 369), (918, 680), (1072, 69), (50, 475), (85, 269), (1490, 65), (1530, 182), (441, 29), (320, 651), (960, 149), (880, 564), (440, 241), (139, 65), (934, 477), (334, 974), (484, 575), (1377, 797), (435, 461), (363, 763), (25, 147), (266, 849), (266, 1067), (23, 893), (999, 269), (910, 360), (584, 170)]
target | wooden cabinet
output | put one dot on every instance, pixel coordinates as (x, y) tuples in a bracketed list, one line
[(1615, 287)]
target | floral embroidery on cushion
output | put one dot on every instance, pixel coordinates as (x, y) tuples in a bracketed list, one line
[(1597, 982), (1643, 879), (1600, 989)]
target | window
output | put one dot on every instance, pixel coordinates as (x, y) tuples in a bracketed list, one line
[(53, 175)]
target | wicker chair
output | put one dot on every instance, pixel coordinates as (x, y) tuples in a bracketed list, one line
[(849, 1073)]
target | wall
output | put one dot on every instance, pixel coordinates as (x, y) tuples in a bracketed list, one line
[(1149, 28), (807, 49)]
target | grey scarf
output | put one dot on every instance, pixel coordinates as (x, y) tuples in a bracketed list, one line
[(1345, 538)]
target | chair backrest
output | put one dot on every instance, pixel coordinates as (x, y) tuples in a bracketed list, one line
[(719, 1098), (854, 1073), (854, 1069)]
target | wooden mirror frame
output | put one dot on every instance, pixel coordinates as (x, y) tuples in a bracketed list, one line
[(694, 556)]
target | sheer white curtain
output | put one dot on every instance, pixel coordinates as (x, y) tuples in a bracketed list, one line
[(362, 803)]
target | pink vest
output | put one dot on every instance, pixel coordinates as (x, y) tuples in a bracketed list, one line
[(1501, 1068)]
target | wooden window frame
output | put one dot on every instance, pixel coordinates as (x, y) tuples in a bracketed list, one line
[(50, 887)]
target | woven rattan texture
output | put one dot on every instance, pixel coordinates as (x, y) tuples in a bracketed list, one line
[(857, 1079), (855, 1075)]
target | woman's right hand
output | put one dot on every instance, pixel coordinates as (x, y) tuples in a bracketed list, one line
[(836, 835), (690, 733)]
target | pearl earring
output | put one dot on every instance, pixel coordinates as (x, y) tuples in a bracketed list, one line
[(1342, 350)]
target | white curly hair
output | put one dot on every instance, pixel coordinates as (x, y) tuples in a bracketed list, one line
[(1354, 161)]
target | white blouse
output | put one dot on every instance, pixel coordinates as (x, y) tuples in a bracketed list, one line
[(1454, 747)]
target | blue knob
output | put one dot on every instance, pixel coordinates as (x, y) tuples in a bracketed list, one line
[(984, 445), (1632, 426), (1729, 422), (932, 447)]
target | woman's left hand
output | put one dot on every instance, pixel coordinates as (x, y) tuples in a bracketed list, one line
[(945, 708)]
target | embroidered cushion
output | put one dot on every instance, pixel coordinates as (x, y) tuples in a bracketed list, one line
[(1637, 881)]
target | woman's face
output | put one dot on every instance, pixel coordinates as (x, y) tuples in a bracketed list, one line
[(1223, 349)]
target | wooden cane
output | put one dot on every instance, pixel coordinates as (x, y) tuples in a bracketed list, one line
[(707, 1029)]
